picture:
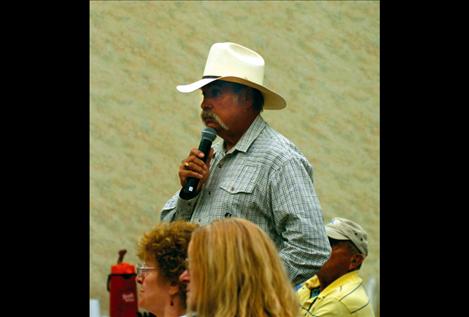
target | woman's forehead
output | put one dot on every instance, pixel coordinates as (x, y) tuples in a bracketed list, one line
[(150, 261)]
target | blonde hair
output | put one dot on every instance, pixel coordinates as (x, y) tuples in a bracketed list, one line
[(237, 272)]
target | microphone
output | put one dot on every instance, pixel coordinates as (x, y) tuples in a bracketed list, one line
[(189, 190)]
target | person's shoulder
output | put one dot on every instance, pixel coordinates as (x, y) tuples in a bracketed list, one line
[(276, 144), (274, 136), (353, 296), (345, 287)]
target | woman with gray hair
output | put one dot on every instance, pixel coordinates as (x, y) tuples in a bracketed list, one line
[(164, 251)]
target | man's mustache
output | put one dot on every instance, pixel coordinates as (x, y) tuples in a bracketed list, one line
[(208, 115)]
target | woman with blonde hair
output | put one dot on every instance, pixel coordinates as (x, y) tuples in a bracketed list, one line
[(234, 270), (164, 251)]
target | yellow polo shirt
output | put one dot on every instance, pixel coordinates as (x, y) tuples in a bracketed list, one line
[(344, 297)]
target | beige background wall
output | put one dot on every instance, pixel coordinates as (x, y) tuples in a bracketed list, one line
[(323, 57)]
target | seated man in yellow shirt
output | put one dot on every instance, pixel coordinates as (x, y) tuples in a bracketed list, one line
[(337, 289)]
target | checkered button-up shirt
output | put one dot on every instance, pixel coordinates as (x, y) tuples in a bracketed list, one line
[(265, 179)]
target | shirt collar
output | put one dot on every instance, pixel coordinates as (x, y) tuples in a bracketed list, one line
[(250, 135), (312, 282)]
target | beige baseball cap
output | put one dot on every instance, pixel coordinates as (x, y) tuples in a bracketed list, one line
[(345, 229)]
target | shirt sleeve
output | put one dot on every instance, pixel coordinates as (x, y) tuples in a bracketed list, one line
[(177, 208), (298, 219)]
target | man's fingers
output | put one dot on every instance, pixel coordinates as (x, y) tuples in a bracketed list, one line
[(189, 173), (197, 153), (196, 166)]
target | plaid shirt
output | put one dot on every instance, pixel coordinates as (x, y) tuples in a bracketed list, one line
[(265, 179)]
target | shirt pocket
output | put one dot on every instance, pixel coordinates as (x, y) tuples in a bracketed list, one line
[(242, 181)]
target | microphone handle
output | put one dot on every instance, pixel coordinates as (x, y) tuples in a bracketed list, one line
[(189, 190)]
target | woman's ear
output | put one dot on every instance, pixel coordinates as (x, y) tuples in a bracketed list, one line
[(173, 288)]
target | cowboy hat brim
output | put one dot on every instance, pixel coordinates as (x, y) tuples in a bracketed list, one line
[(271, 99)]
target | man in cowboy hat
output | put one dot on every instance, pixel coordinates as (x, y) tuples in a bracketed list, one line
[(255, 173), (337, 289)]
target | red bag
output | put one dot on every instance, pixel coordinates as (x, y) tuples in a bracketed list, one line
[(123, 289)]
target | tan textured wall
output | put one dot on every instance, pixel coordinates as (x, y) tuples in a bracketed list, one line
[(323, 57)]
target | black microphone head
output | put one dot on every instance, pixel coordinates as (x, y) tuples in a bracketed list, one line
[(209, 134)]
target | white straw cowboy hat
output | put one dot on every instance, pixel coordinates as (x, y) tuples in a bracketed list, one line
[(238, 64)]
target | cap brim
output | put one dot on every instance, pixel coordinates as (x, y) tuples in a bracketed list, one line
[(271, 99)]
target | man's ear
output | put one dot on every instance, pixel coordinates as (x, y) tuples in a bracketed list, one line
[(355, 261), (247, 98)]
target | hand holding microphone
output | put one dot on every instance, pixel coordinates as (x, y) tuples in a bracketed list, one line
[(194, 170)]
